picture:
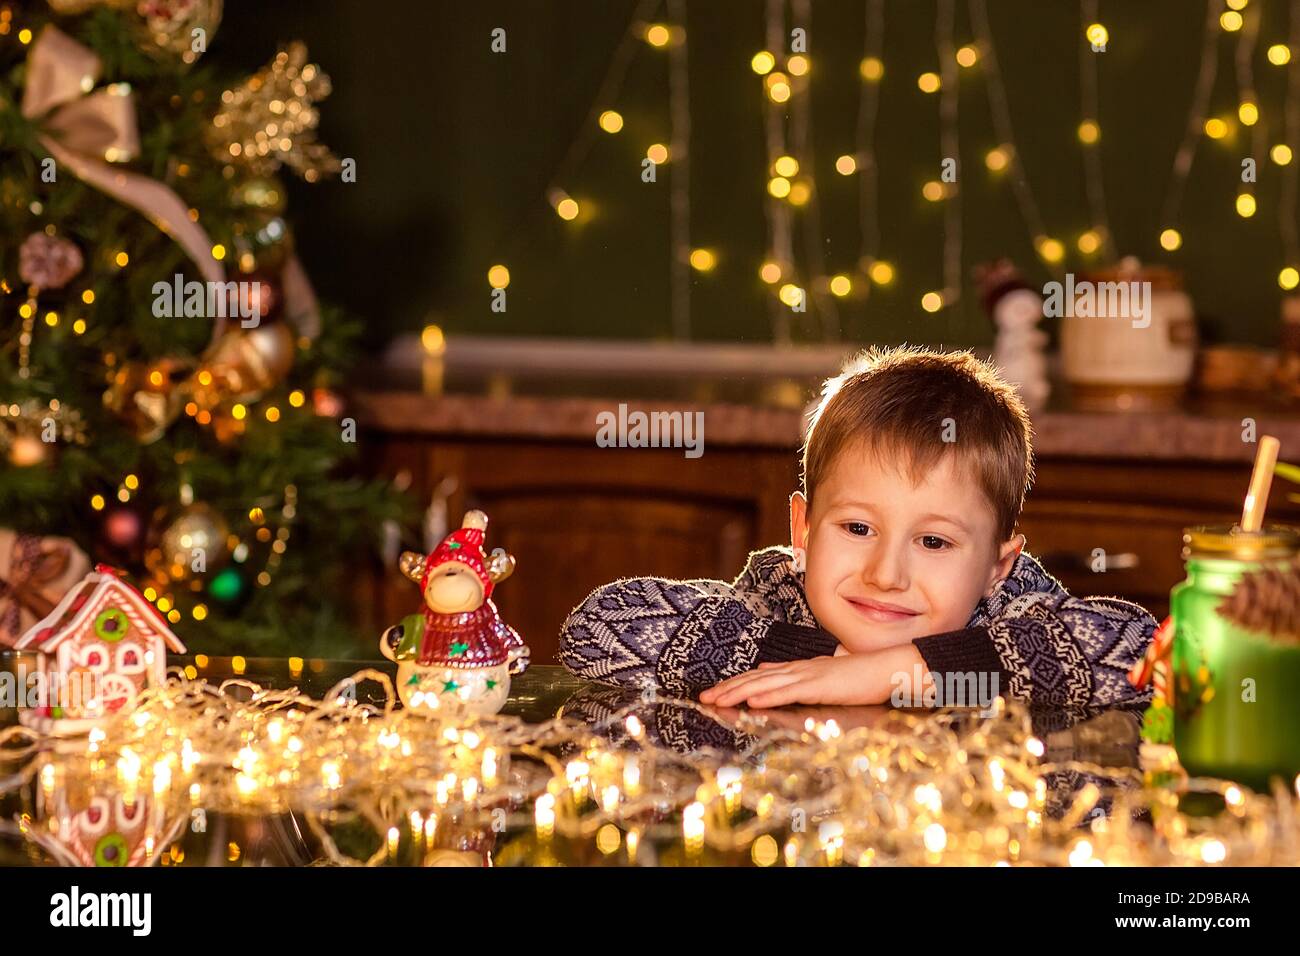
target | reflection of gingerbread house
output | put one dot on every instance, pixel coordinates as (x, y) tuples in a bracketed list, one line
[(94, 828), (100, 647)]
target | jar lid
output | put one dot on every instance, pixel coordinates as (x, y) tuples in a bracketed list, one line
[(1229, 541)]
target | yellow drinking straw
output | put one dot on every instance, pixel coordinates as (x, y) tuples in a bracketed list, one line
[(1261, 479)]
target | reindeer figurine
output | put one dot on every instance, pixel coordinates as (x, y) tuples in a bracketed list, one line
[(456, 654)]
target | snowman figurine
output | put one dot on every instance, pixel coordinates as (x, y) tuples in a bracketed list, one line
[(1019, 349), (456, 655)]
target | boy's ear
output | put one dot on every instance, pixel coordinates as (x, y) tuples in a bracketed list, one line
[(1008, 551), (798, 520)]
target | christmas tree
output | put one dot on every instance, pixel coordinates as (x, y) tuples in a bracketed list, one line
[(168, 382)]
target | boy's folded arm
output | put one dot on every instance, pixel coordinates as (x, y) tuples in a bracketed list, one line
[(678, 636), (1052, 649)]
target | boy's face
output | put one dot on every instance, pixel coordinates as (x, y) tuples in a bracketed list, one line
[(926, 552)]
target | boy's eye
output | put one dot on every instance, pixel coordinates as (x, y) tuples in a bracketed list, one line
[(857, 527), (932, 542)]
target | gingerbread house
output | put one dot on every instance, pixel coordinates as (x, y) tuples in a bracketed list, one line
[(100, 647)]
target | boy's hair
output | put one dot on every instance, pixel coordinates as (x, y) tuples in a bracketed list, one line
[(896, 401)]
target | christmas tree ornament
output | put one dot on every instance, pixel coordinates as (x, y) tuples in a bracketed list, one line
[(122, 531), (147, 396), (48, 261), (44, 262), (243, 364), (186, 543), (266, 238), (35, 572), (271, 119), (98, 650), (228, 586), (264, 194), (167, 27), (30, 430), (456, 655)]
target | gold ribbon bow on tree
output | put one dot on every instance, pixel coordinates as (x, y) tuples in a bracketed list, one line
[(87, 129)]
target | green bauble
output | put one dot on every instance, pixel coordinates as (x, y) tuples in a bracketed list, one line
[(227, 586)]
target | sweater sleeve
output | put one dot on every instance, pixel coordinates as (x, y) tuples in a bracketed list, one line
[(681, 637), (1052, 649)]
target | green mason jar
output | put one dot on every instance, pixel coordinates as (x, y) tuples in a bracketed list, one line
[(1236, 693)]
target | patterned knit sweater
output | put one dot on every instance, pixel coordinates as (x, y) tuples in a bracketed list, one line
[(682, 637)]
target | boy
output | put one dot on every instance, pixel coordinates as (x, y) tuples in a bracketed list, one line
[(905, 574)]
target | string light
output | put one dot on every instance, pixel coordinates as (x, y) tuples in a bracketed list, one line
[(882, 273), (657, 153), (1089, 132), (770, 272), (1097, 34), (786, 166), (778, 87), (932, 301), (703, 260), (871, 69), (1288, 278), (779, 187), (1279, 54), (1216, 128), (1248, 113), (933, 190), (611, 121), (657, 35), (797, 65), (762, 62), (1170, 240), (1245, 205), (1051, 250), (841, 285), (996, 159), (1280, 154), (1230, 21), (967, 56), (1089, 242), (846, 165), (928, 82)]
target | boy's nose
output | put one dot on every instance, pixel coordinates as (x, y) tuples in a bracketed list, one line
[(886, 569)]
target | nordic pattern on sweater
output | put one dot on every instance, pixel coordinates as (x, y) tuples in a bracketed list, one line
[(685, 636)]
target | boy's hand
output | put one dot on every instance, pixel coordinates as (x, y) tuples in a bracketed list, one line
[(840, 679)]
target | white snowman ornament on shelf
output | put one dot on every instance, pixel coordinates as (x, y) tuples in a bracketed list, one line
[(1019, 349), (456, 654)]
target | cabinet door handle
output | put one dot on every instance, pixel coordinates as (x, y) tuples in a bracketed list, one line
[(1087, 562)]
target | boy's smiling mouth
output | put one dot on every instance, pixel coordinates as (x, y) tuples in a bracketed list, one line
[(881, 612)]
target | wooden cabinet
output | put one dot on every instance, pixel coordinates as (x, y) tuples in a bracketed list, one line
[(577, 516)]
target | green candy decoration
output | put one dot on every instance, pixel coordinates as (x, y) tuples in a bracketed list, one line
[(111, 625)]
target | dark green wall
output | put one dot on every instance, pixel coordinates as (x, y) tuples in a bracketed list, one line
[(455, 146)]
